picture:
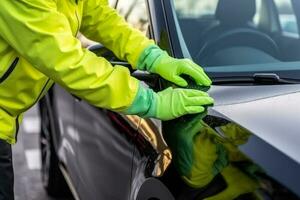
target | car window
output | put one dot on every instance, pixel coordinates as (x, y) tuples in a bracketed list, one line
[(238, 35), (135, 13), (198, 17), (287, 18), (202, 9), (196, 9)]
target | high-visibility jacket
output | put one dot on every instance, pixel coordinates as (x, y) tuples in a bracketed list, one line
[(38, 47)]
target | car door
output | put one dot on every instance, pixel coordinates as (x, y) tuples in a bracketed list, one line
[(64, 136), (104, 153), (105, 147)]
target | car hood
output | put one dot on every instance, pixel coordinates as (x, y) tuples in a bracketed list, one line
[(270, 112)]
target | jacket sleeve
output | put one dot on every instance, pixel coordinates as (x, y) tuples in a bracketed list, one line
[(43, 37), (103, 24)]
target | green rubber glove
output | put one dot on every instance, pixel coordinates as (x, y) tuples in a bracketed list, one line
[(169, 103), (173, 103), (154, 60)]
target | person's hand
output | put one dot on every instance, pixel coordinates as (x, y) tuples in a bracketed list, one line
[(171, 68), (155, 60), (168, 104), (173, 103)]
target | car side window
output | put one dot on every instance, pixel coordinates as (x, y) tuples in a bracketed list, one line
[(287, 18), (196, 9), (135, 13)]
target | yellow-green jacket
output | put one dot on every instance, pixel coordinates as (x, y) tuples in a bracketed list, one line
[(38, 47)]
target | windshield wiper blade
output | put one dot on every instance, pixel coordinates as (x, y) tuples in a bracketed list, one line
[(257, 78), (271, 78)]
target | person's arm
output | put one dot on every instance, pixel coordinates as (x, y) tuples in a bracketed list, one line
[(43, 37), (103, 24)]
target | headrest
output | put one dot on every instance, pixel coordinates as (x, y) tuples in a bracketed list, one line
[(235, 12)]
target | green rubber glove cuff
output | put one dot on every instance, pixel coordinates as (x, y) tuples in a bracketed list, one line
[(144, 104), (148, 57)]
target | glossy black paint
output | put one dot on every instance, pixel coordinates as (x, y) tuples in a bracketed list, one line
[(62, 115), (103, 155), (266, 112)]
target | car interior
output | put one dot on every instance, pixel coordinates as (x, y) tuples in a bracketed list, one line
[(239, 33)]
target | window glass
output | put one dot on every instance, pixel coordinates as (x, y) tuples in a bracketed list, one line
[(196, 17), (202, 9), (257, 14), (287, 16), (196, 9), (238, 36), (135, 13)]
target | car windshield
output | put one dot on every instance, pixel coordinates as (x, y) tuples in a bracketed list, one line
[(240, 35)]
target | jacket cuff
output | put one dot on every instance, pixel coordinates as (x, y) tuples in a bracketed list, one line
[(144, 104), (148, 58)]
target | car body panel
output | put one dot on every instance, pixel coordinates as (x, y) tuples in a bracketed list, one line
[(103, 149), (275, 163), (228, 95), (272, 119), (63, 137), (267, 114)]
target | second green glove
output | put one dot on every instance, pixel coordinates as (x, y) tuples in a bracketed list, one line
[(168, 104)]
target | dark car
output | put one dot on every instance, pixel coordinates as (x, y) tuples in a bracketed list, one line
[(255, 67)]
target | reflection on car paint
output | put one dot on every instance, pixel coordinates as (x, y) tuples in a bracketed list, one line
[(65, 147), (73, 133), (152, 134), (155, 138)]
